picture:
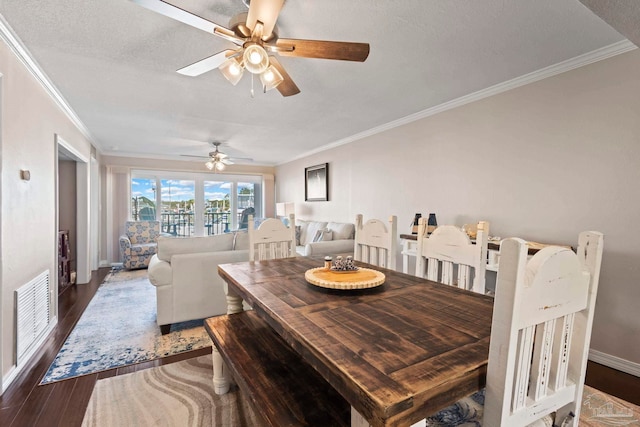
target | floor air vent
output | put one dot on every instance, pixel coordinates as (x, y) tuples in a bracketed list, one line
[(32, 313)]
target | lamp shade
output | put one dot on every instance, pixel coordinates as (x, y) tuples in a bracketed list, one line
[(285, 208), (232, 70), (271, 78), (255, 58)]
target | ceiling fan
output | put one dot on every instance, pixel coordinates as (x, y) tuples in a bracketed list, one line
[(217, 160), (255, 35)]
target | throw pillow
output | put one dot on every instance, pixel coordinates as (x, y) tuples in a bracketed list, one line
[(298, 229), (323, 235)]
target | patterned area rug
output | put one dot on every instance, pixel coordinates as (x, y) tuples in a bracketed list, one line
[(599, 409), (119, 328), (176, 395)]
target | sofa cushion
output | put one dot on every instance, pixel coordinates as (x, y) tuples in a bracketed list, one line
[(342, 230), (169, 246), (241, 241), (309, 230)]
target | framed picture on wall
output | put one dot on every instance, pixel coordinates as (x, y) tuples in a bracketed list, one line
[(316, 183)]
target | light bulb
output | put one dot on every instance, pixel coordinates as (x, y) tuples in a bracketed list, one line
[(234, 69), (271, 78), (268, 76), (255, 57), (220, 166), (209, 165)]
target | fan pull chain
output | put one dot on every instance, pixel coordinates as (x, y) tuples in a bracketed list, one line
[(252, 93)]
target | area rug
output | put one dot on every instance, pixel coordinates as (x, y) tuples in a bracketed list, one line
[(599, 409), (119, 328), (176, 395)]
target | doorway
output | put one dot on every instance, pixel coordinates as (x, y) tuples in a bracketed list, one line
[(72, 191)]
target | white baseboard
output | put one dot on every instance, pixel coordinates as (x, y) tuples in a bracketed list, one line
[(16, 369), (615, 362)]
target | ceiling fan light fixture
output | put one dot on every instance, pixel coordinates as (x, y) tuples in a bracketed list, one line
[(271, 78), (255, 58), (210, 164), (220, 166), (232, 70)]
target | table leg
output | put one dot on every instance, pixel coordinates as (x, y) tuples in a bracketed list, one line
[(234, 303), (358, 420), (405, 263), (221, 382)]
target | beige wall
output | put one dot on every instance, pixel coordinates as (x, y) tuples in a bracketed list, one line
[(30, 119), (542, 162)]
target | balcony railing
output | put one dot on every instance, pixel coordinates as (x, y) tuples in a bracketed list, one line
[(182, 223)]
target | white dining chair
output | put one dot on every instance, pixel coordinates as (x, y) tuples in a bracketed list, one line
[(272, 239), (376, 243), (540, 335), (449, 256)]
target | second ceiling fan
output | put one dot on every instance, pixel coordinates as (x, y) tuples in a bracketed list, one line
[(255, 35)]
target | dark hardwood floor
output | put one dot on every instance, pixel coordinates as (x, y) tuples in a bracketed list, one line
[(63, 403)]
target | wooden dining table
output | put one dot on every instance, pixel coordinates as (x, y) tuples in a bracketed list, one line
[(397, 352)]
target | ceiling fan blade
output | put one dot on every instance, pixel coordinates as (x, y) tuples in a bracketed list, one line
[(265, 11), (346, 51), (226, 161), (287, 87), (195, 157), (207, 64), (174, 12), (232, 159)]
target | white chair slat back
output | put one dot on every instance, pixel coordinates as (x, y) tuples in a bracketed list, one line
[(542, 320), (375, 243), (271, 240), (447, 250)]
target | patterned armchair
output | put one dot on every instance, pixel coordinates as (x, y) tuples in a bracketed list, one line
[(139, 243)]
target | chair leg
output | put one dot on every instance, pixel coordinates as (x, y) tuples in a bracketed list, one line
[(165, 329)]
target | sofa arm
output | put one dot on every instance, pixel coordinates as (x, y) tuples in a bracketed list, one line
[(159, 272), (197, 291), (125, 247), (329, 247)]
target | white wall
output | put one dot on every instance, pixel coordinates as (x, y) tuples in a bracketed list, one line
[(542, 162), (30, 120)]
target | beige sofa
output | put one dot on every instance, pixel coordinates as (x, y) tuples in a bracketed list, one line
[(324, 238), (185, 274)]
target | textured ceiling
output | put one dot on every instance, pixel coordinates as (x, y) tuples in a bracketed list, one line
[(114, 62)]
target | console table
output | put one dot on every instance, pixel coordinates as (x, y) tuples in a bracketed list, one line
[(410, 246)]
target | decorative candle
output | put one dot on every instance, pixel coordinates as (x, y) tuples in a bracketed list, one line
[(327, 262)]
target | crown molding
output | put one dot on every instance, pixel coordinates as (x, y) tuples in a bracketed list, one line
[(19, 49), (552, 70)]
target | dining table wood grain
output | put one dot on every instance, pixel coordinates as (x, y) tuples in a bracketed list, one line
[(397, 352)]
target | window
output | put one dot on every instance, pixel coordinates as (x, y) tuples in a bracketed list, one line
[(177, 200), (217, 212), (143, 199), (194, 204)]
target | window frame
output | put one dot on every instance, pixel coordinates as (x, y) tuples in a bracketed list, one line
[(199, 179)]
